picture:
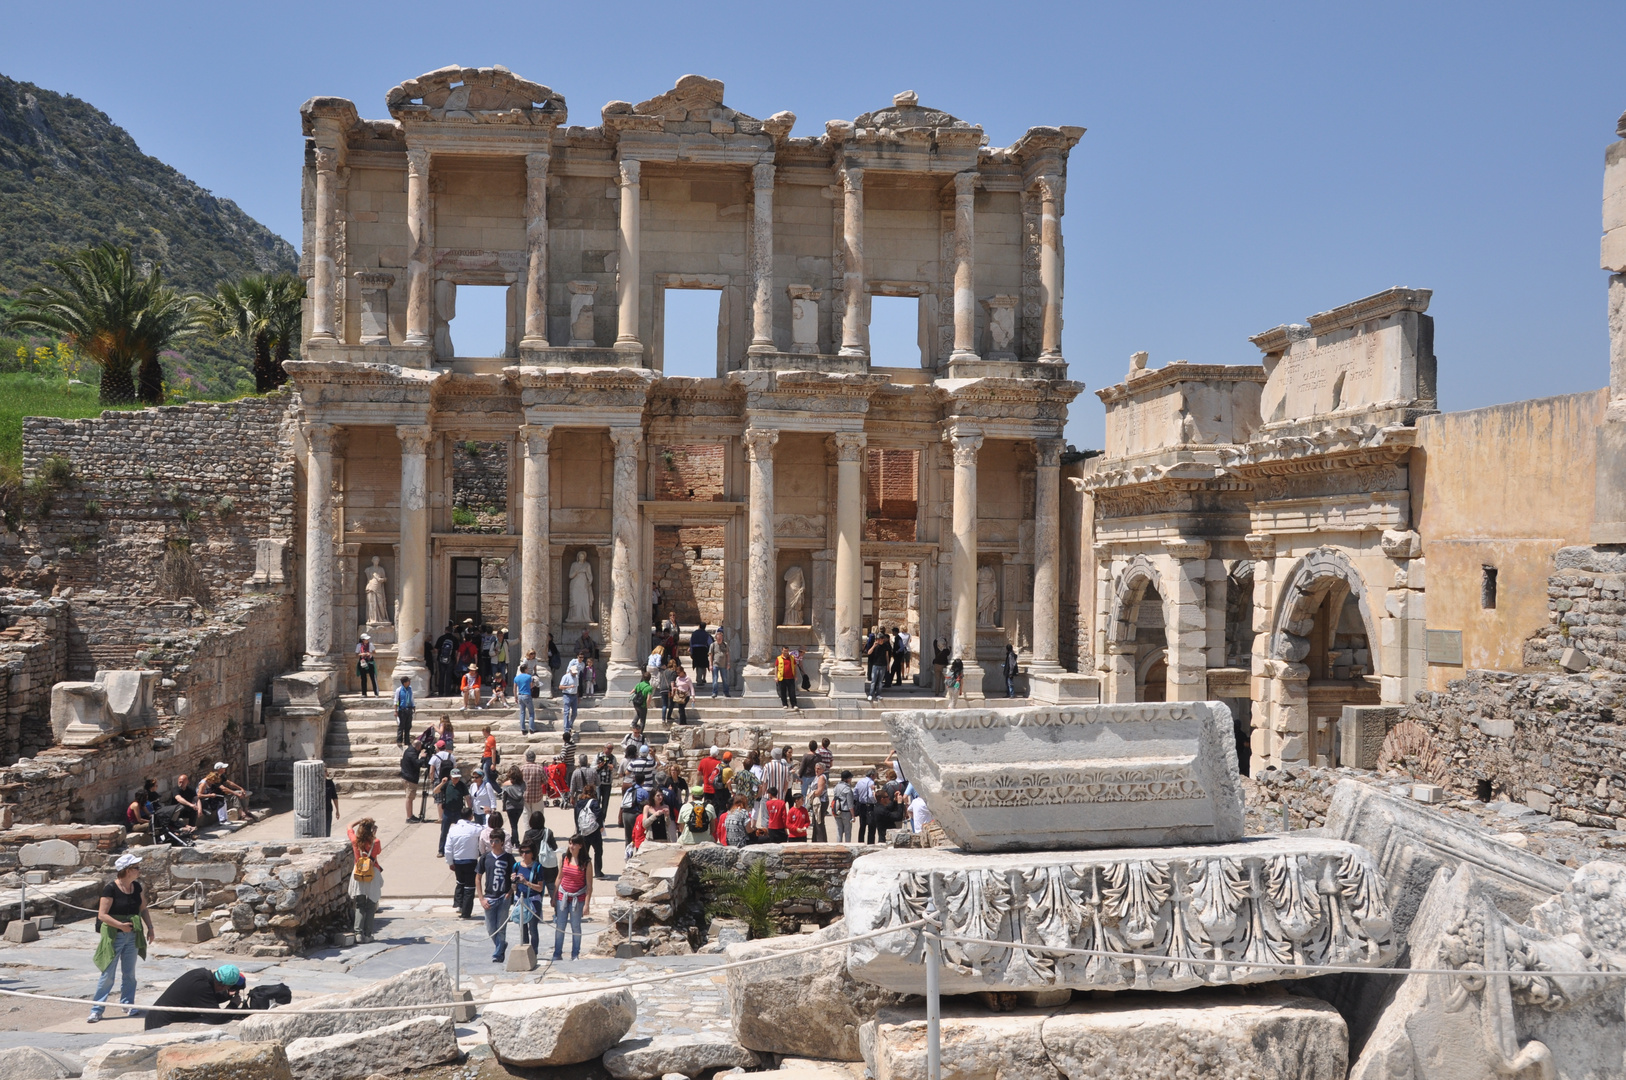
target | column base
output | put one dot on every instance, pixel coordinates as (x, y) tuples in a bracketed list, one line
[(417, 672), (621, 677), (534, 343), (846, 679), (761, 348), (756, 680), (845, 351), (961, 355), (1064, 687)]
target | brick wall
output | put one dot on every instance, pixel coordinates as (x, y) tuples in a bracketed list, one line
[(1586, 610), (691, 585), (892, 495), (691, 473)]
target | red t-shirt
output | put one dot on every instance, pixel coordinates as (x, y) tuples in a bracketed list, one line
[(776, 813), (708, 766), (797, 822)]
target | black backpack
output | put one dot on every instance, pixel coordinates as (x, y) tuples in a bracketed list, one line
[(263, 997)]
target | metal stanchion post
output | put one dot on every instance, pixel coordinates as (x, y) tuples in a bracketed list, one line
[(457, 963), (22, 907), (934, 1006)]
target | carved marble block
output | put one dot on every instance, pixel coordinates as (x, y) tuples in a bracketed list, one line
[(1296, 900), (1084, 776), (270, 565), (375, 306), (86, 713), (804, 318), (1001, 326), (581, 314)]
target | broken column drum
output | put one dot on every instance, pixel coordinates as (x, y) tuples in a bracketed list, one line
[(310, 799)]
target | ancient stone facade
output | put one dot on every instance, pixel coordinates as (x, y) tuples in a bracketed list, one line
[(801, 494)]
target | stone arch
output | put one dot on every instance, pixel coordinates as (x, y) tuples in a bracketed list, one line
[(1126, 597), (1307, 585), (1239, 613)]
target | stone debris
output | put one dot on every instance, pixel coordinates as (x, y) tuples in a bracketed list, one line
[(32, 1063), (138, 1054), (805, 1005), (422, 985), (690, 1055), (404, 1046), (564, 1030), (224, 1060)]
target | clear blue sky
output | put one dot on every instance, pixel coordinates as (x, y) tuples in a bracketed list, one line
[(1246, 164)]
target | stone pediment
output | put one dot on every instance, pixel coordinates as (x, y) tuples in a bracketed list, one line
[(907, 114), (460, 95), (694, 106)]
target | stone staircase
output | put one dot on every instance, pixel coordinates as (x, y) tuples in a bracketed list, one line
[(362, 755)]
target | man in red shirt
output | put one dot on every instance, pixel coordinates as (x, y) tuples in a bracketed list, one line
[(796, 820), (776, 818), (707, 768)]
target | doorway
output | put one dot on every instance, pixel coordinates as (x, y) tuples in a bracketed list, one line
[(465, 589)]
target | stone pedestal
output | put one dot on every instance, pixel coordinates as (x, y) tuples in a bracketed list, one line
[(1064, 688)]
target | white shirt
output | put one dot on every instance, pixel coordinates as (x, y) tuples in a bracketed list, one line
[(903, 641), (919, 814), (567, 681), (484, 798), (463, 842)]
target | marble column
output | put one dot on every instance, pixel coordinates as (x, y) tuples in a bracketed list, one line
[(419, 255), (762, 261), (319, 546), (762, 582), (966, 443), (1050, 267), (629, 244), (1046, 555), (412, 564), (849, 540), (534, 544), (324, 269), (854, 340), (626, 610), (965, 254), (536, 252)]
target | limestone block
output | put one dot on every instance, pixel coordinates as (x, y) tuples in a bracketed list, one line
[(404, 1046), (309, 689), (49, 853), (520, 958), (1427, 793), (22, 931), (807, 1005), (1080, 776), (421, 985), (224, 873), (32, 1063), (563, 1030), (1000, 1046), (139, 1053), (271, 561), (224, 1060), (691, 1055), (1573, 659), (195, 933), (1361, 731)]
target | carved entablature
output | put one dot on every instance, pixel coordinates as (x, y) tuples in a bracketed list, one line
[(587, 388), (491, 95), (828, 397), (1170, 497), (480, 396), (1340, 481), (340, 386), (685, 397), (1326, 449), (1030, 407)]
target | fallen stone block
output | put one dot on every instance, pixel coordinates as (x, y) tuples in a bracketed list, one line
[(195, 933), (409, 1045), (1006, 1046), (225, 1060), (129, 1054), (1574, 660), (22, 931), (691, 1055), (520, 958), (565, 1030), (804, 1005), (424, 985), (1427, 793), (48, 853), (45, 922), (33, 1063)]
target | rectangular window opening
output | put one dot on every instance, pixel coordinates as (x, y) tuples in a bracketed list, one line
[(691, 336), (1487, 587), (894, 331), (479, 325)]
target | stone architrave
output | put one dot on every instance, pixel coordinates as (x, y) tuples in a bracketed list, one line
[(1299, 900), (581, 314), (1084, 776), (804, 318), (375, 306)]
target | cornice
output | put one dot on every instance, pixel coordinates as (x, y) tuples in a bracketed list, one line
[(1179, 372)]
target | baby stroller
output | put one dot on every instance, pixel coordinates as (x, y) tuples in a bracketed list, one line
[(167, 828)]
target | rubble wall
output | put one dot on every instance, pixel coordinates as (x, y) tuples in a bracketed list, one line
[(33, 657), (1586, 610)]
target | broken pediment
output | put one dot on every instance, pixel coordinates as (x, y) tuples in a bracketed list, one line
[(694, 105), (475, 95), (906, 114)]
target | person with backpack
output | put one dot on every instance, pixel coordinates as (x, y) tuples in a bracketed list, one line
[(633, 797), (413, 759), (841, 805), (737, 824), (529, 891), (445, 663), (539, 837), (590, 827), (640, 700), (366, 876), (880, 663), (452, 796), (403, 711), (696, 817), (1010, 669), (575, 894), (657, 819)]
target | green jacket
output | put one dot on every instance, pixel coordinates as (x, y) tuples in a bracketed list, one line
[(104, 948)]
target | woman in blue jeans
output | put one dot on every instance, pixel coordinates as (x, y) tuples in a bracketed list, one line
[(126, 927), (575, 886)]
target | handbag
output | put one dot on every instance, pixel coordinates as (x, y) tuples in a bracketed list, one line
[(807, 684)]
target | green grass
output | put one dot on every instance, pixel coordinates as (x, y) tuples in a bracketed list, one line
[(24, 394)]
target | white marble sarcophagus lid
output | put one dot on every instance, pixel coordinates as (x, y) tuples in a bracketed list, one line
[(1085, 776)]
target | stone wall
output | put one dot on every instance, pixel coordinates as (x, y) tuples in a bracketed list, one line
[(1586, 610), (33, 657), (691, 585), (480, 484), (692, 473)]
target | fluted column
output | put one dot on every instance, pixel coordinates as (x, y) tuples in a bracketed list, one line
[(849, 543), (762, 261), (1050, 268), (853, 338), (412, 568), (419, 256), (626, 615), (319, 546), (327, 179), (965, 254), (1046, 553), (627, 276), (966, 443), (536, 250), (534, 549), (761, 583)]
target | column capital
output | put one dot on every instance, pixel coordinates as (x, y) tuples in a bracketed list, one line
[(327, 159), (1051, 185), (1047, 452), (414, 438), (762, 175), (319, 437), (630, 169), (627, 440), (849, 444), (536, 438), (1261, 545), (965, 183), (759, 443), (537, 161), (852, 178), (417, 161), (1187, 548), (966, 441)]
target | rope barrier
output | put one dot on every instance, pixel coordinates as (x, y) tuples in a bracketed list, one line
[(618, 984)]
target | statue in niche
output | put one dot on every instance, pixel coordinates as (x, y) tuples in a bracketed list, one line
[(378, 600), (581, 591), (987, 597), (795, 597), (445, 312)]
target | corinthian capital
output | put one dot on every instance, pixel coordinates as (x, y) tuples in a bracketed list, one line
[(966, 442), (319, 437), (418, 162), (414, 438), (849, 445), (536, 438), (327, 159), (1047, 452), (762, 175), (965, 184), (852, 179), (759, 443), (627, 440), (1051, 186), (630, 169)]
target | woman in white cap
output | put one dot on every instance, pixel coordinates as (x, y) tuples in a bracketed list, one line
[(126, 927)]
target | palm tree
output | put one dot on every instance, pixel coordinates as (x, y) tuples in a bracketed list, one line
[(264, 311), (754, 896), (113, 313)]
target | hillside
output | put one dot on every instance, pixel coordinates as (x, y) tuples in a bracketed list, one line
[(70, 177)]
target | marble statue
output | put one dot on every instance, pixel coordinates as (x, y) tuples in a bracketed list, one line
[(445, 312), (581, 591), (378, 600), (987, 597), (795, 597)]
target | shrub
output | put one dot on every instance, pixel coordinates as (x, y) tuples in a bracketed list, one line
[(225, 506), (754, 896)]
